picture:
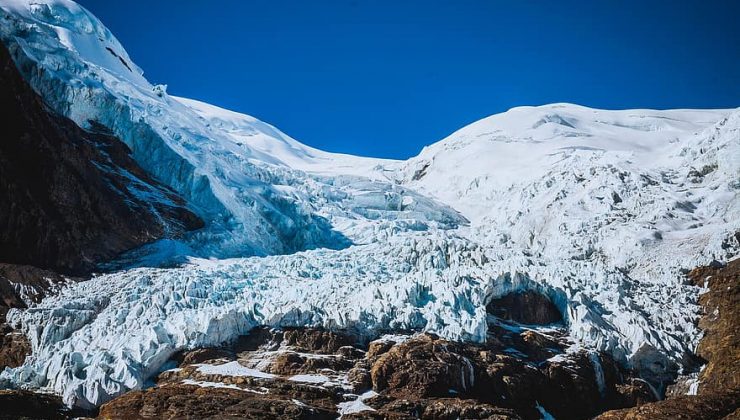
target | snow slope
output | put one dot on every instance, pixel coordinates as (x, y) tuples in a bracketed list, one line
[(244, 177), (599, 210)]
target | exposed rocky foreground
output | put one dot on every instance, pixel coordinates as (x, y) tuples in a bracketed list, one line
[(521, 372)]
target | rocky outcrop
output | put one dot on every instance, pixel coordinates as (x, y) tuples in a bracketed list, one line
[(314, 373), (72, 198), (196, 402), (14, 347), (569, 386), (718, 391), (720, 346)]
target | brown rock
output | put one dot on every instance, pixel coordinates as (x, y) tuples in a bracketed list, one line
[(207, 354), (315, 340), (720, 345), (14, 347), (688, 407), (187, 401), (359, 378), (378, 347), (719, 389), (423, 367), (291, 363), (453, 409)]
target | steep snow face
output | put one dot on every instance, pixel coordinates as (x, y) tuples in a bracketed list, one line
[(260, 191), (599, 210)]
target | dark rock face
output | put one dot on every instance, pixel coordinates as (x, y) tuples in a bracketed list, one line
[(525, 307), (23, 284), (28, 405), (72, 198), (719, 382)]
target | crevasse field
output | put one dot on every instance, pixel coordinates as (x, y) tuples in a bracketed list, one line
[(599, 210)]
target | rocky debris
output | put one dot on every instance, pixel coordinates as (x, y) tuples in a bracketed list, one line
[(291, 363), (528, 307), (316, 340), (718, 390), (193, 401), (72, 198), (437, 409), (14, 347), (311, 372)]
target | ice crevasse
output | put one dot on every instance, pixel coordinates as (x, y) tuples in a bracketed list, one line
[(598, 210)]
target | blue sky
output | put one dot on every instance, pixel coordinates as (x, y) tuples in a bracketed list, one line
[(385, 78)]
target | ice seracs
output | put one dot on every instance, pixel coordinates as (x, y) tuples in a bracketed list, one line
[(598, 210)]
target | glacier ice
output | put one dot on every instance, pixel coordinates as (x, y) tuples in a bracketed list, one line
[(599, 210)]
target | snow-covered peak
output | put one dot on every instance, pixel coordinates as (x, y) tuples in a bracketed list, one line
[(632, 129), (80, 32), (524, 144)]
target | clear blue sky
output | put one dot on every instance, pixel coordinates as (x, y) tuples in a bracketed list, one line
[(384, 78)]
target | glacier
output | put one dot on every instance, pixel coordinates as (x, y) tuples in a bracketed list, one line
[(601, 211)]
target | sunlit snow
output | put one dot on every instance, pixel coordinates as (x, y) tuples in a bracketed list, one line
[(599, 210)]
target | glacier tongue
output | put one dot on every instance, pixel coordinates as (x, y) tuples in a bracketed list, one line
[(598, 210)]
